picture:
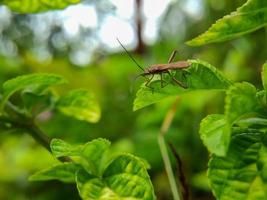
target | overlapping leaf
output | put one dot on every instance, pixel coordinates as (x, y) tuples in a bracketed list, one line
[(64, 172), (215, 130), (125, 178), (80, 104), (212, 133), (241, 174), (34, 6), (198, 76), (250, 17), (32, 83), (92, 153)]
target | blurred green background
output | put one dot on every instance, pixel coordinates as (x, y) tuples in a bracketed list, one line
[(80, 44)]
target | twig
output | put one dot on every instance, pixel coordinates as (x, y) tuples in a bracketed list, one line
[(176, 191), (180, 173), (28, 125)]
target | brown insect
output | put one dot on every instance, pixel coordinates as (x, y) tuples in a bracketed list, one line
[(161, 68)]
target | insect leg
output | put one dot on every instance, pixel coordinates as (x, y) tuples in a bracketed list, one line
[(148, 81), (161, 80), (176, 81), (172, 56)]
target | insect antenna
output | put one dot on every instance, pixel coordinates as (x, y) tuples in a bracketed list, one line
[(130, 55)]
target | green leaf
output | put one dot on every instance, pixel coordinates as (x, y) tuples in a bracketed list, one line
[(212, 134), (248, 18), (198, 76), (80, 104), (33, 83), (264, 76), (240, 100), (35, 103), (92, 153), (125, 178), (64, 172), (241, 174), (61, 148), (254, 121), (34, 6)]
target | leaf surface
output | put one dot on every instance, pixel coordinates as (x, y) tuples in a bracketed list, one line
[(80, 104), (125, 178), (247, 18), (198, 76), (212, 133), (33, 83), (264, 76), (92, 153), (35, 6), (241, 174), (64, 172)]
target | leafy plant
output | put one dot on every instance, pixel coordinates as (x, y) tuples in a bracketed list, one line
[(98, 173), (247, 18), (236, 139)]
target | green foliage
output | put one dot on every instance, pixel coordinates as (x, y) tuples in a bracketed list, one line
[(248, 18), (212, 133), (34, 6), (36, 97), (64, 172), (123, 176), (80, 104), (32, 83), (241, 174), (237, 139), (215, 130), (198, 76), (264, 76), (91, 153)]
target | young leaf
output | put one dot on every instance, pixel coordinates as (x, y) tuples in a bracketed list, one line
[(64, 172), (240, 100), (61, 148), (35, 103), (200, 75), (91, 187), (248, 18), (80, 104), (125, 178), (34, 83), (30, 6), (92, 153), (212, 133), (241, 174)]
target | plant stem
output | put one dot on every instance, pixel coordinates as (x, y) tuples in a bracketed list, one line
[(177, 194), (27, 124), (21, 121)]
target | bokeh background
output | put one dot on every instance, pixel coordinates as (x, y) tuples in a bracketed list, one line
[(80, 44)]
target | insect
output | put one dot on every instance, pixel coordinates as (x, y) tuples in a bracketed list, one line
[(160, 68)]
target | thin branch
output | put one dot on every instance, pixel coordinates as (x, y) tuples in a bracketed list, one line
[(27, 124), (180, 172), (176, 191)]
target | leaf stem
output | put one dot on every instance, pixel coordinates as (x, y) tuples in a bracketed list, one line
[(177, 194), (28, 125)]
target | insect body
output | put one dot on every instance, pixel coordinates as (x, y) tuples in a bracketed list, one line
[(165, 68), (161, 68)]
